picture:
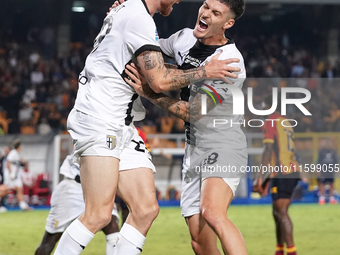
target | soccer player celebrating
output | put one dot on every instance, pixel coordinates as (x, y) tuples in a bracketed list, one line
[(101, 124), (279, 151), (205, 198), (12, 174)]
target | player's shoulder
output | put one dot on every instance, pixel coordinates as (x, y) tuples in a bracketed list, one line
[(135, 11), (230, 50), (12, 153), (182, 40), (186, 32), (184, 36)]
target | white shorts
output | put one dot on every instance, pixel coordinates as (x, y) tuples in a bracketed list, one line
[(95, 137), (226, 164), (11, 184), (135, 155), (66, 205)]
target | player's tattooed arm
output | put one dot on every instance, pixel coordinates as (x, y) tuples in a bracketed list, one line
[(187, 111), (152, 66), (190, 112)]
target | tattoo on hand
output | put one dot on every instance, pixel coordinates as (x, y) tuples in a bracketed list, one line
[(160, 61)]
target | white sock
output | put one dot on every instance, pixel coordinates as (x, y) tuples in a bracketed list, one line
[(27, 199), (74, 240), (130, 242), (35, 199), (23, 205), (111, 241)]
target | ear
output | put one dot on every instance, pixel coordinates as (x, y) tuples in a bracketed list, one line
[(228, 24)]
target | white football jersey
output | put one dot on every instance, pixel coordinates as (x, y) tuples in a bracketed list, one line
[(190, 53), (14, 159), (128, 30), (69, 168)]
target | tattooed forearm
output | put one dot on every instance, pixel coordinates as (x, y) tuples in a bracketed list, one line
[(149, 79), (166, 73), (163, 78), (180, 109), (190, 112), (186, 77), (149, 60)]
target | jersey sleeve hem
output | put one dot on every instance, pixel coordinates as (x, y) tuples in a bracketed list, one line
[(147, 47)]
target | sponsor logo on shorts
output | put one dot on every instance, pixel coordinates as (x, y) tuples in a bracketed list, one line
[(110, 141), (273, 190), (55, 223)]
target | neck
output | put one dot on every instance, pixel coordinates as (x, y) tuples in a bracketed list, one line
[(153, 6), (214, 40)]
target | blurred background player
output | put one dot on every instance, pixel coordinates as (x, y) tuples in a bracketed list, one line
[(279, 151), (13, 174), (67, 204), (29, 187), (327, 159), (5, 190)]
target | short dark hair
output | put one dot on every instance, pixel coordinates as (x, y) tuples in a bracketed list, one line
[(16, 143), (236, 6)]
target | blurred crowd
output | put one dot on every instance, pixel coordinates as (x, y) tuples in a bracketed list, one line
[(38, 87), (272, 61), (36, 91)]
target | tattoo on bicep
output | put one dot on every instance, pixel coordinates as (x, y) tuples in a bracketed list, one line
[(149, 60), (160, 61)]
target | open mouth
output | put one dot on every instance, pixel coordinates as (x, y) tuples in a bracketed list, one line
[(202, 25)]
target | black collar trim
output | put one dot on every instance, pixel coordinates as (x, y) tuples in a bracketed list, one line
[(201, 45), (146, 7)]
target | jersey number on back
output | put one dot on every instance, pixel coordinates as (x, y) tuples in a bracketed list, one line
[(106, 28)]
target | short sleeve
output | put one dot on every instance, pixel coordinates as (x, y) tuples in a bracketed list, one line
[(11, 156), (268, 132), (167, 45), (141, 34)]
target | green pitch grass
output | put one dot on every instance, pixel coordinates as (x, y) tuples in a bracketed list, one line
[(316, 231)]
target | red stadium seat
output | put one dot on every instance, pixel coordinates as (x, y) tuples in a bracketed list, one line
[(42, 189)]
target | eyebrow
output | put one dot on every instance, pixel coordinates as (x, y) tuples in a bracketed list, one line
[(205, 2)]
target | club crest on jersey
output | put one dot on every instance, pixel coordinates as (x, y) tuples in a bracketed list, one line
[(110, 141), (156, 35)]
